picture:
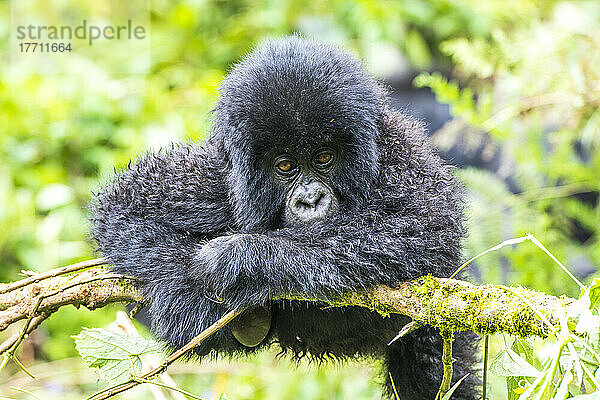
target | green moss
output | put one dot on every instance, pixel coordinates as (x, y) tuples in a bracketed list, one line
[(454, 308), (128, 285)]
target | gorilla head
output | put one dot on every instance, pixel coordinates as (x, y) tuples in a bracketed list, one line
[(302, 116)]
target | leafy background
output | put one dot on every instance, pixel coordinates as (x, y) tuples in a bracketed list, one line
[(523, 86)]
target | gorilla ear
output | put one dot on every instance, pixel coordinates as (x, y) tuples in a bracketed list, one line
[(254, 197), (359, 167), (251, 197)]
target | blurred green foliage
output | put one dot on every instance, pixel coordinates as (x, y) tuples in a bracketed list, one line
[(534, 90), (526, 74)]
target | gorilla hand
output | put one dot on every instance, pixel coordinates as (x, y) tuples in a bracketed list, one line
[(216, 260)]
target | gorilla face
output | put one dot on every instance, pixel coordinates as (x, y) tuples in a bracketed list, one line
[(309, 194), (298, 121)]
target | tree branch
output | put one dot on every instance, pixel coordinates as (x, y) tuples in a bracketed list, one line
[(447, 304), (92, 289), (452, 305)]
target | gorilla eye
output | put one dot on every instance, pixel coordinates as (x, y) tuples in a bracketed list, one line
[(323, 158), (285, 165)]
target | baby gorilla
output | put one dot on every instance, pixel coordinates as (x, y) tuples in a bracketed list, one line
[(309, 184)]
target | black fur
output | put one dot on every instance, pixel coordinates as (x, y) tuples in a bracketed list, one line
[(203, 223)]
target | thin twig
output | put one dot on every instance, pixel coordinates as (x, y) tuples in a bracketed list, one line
[(35, 322), (396, 397), (116, 389), (518, 240), (25, 391), (508, 242), (107, 276), (51, 274), (137, 308), (526, 104), (545, 250), (11, 352), (553, 192)]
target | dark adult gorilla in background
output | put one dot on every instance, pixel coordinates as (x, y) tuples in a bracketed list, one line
[(308, 184)]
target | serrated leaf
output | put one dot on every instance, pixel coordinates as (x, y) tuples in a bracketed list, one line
[(509, 363), (116, 357)]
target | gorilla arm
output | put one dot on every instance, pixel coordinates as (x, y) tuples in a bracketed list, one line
[(151, 220), (250, 269), (410, 226), (157, 211)]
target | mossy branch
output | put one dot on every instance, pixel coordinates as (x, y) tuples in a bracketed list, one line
[(451, 305), (447, 304)]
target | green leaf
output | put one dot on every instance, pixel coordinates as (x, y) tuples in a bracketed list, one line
[(417, 50), (461, 102), (473, 55), (509, 363), (591, 396), (115, 356), (515, 385), (223, 396), (453, 388), (524, 348), (594, 293)]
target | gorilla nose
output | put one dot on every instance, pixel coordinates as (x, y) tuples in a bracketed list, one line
[(311, 202)]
